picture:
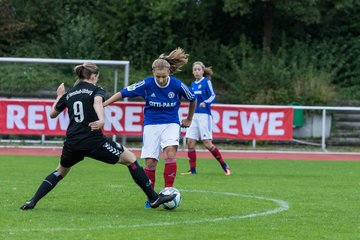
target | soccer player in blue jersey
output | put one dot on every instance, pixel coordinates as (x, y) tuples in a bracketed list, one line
[(201, 126), (162, 93), (84, 137)]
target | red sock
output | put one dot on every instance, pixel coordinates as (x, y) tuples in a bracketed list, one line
[(169, 172), (150, 173), (192, 157), (216, 153)]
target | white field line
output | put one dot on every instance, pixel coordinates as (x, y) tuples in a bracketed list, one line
[(281, 206)]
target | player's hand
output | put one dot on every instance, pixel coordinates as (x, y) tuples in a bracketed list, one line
[(60, 90), (97, 125), (202, 105), (185, 123)]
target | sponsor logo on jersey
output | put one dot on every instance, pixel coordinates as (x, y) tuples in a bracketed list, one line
[(80, 91), (153, 95), (131, 87), (135, 85), (198, 92), (162, 104)]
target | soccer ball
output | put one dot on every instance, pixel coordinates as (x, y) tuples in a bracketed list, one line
[(175, 202)]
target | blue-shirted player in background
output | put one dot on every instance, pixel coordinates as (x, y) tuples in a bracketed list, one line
[(201, 127), (162, 93)]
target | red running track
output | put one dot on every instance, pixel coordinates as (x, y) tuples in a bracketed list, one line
[(227, 154)]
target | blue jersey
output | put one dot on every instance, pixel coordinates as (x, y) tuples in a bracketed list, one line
[(161, 103), (204, 92)]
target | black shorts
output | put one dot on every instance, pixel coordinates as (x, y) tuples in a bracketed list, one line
[(104, 150)]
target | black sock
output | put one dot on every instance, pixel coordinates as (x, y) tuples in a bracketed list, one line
[(47, 185), (139, 176)]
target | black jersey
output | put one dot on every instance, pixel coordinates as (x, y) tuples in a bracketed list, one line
[(80, 100)]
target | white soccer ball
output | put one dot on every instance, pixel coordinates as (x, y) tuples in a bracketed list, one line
[(175, 202)]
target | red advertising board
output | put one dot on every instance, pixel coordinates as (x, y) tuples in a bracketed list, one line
[(23, 116)]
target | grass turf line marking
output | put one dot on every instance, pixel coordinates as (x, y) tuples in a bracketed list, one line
[(282, 206)]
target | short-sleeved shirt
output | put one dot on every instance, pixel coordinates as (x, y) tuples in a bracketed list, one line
[(80, 100), (161, 103), (80, 140)]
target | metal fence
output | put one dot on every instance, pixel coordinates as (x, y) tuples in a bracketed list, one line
[(116, 65), (323, 109)]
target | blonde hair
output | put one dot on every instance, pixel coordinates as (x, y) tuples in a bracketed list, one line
[(85, 70), (208, 72), (174, 61)]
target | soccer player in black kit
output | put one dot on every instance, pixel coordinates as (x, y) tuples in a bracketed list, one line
[(84, 137)]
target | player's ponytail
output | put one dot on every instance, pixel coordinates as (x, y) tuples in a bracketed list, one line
[(174, 61), (84, 71)]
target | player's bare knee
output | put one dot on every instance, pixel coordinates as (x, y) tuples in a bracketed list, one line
[(127, 157), (208, 144), (62, 170), (170, 160), (170, 152), (191, 143), (151, 162)]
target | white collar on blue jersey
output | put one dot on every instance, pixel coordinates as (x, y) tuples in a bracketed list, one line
[(163, 86), (197, 81)]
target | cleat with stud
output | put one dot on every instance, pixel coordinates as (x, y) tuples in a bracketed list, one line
[(147, 204), (189, 172), (162, 199), (28, 205)]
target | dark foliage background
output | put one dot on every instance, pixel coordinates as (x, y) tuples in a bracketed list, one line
[(262, 51)]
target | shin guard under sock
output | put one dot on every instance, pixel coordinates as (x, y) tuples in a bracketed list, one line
[(216, 153), (139, 176), (151, 173), (47, 185), (192, 158), (170, 172)]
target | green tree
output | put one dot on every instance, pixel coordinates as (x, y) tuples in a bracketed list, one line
[(230, 35), (306, 11), (11, 28)]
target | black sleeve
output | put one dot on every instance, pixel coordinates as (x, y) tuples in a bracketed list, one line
[(61, 104), (100, 92)]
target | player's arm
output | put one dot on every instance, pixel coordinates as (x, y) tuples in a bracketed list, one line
[(209, 92), (99, 109), (59, 93), (116, 97), (188, 93), (185, 123)]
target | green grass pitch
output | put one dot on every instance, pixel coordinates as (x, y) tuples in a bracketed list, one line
[(262, 199)]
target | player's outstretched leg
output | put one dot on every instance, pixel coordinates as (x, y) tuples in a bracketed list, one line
[(216, 153), (140, 178), (46, 186)]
